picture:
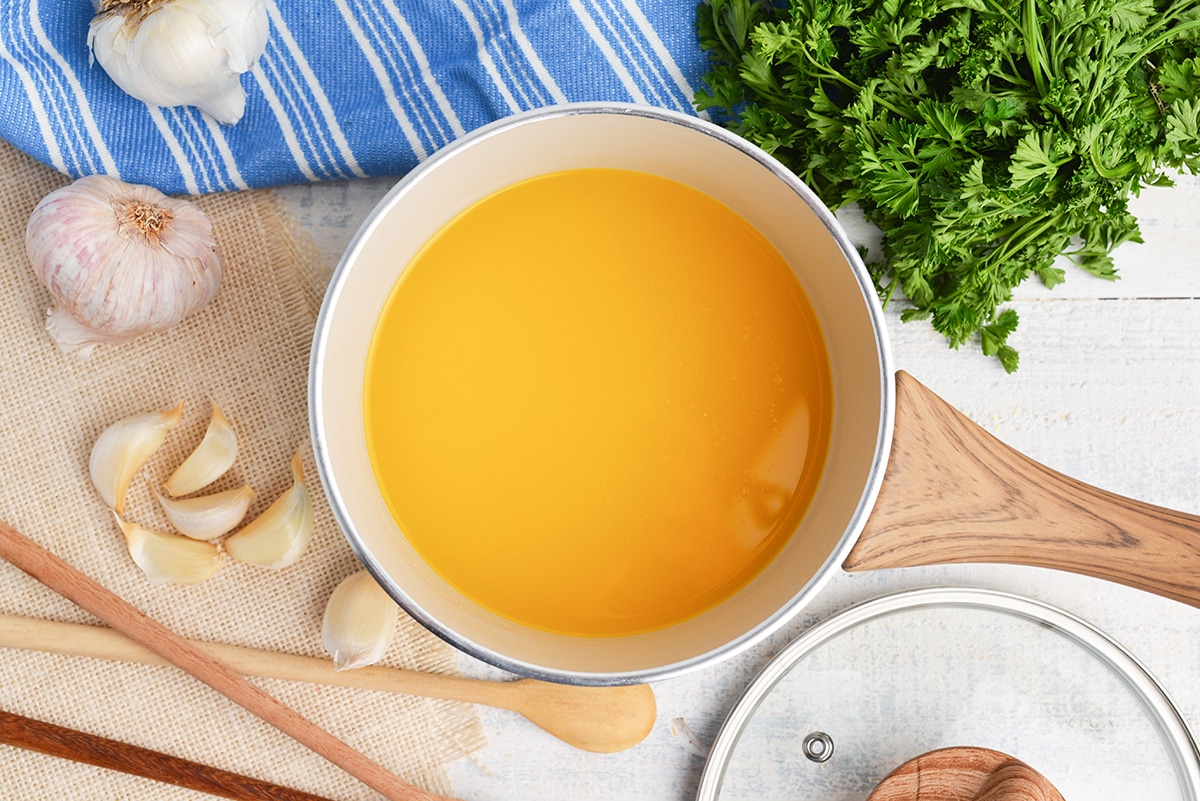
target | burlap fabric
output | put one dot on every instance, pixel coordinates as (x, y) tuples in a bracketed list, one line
[(248, 351)]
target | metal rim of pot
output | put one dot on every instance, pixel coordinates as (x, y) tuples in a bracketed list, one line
[(881, 357)]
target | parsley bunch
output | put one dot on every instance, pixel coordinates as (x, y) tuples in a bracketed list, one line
[(983, 137)]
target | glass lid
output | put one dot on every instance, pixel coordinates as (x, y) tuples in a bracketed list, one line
[(869, 689)]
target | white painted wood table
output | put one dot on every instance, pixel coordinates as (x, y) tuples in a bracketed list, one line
[(1108, 392)]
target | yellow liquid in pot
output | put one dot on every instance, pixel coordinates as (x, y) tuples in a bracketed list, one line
[(597, 402)]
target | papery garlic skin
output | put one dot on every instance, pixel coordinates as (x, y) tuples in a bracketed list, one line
[(209, 516), (120, 260), (212, 457), (181, 52), (277, 537), (122, 449), (169, 558), (359, 622)]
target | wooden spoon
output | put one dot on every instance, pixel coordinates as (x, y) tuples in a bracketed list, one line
[(964, 774), (598, 719)]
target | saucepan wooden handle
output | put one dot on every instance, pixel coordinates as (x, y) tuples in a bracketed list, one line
[(954, 493)]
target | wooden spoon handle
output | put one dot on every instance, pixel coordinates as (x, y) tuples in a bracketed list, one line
[(64, 579), (46, 738), (96, 642), (954, 493)]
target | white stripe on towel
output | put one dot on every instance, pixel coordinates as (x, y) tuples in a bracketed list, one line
[(318, 92), (39, 108), (610, 54), (485, 57), (295, 104), (435, 89), (181, 119), (635, 54), (81, 101), (556, 94), (664, 55), (222, 145), (49, 91), (497, 32), (285, 123), (385, 82), (176, 149)]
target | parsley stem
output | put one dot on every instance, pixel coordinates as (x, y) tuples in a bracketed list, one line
[(1002, 11), (1159, 41), (833, 74), (1035, 46), (886, 293), (1115, 174), (1173, 10), (829, 71), (1027, 231)]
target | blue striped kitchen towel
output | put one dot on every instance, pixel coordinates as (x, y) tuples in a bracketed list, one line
[(346, 88)]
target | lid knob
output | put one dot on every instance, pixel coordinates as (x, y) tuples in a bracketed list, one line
[(964, 774)]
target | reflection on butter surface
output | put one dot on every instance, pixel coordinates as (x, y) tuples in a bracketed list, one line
[(597, 402), (774, 476)]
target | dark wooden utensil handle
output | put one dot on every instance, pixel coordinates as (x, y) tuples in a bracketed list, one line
[(952, 492), (46, 738), (64, 579)]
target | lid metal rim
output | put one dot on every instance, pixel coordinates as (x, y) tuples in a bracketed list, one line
[(1184, 752)]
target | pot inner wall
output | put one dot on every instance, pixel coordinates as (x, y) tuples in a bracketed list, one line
[(674, 147)]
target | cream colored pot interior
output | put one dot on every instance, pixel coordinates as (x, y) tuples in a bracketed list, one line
[(684, 150)]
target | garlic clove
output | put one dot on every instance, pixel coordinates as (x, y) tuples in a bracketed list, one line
[(123, 448), (277, 537), (359, 622), (169, 558), (209, 516), (212, 457)]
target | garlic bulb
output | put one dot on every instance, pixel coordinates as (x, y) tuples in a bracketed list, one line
[(213, 456), (122, 448), (359, 622), (169, 558), (209, 516), (278, 536), (181, 52), (120, 260)]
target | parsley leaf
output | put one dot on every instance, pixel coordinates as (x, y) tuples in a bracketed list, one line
[(985, 138)]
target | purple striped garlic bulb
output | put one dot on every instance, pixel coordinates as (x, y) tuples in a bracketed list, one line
[(120, 260)]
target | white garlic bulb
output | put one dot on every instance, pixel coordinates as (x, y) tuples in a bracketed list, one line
[(181, 52), (120, 259)]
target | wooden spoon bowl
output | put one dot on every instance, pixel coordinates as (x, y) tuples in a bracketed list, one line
[(964, 774)]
